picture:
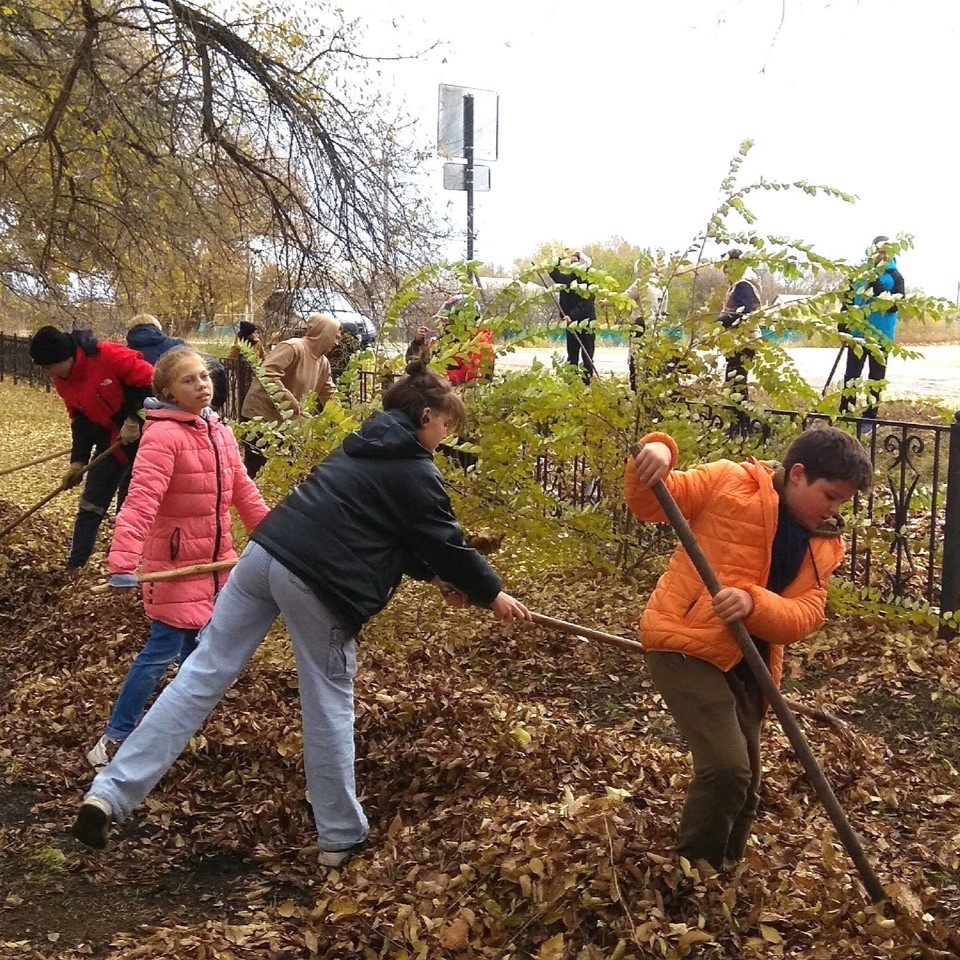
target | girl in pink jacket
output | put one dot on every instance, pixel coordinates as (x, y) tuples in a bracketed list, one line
[(187, 474)]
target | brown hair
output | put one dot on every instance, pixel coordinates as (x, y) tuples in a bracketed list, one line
[(829, 453), (420, 388), (164, 370)]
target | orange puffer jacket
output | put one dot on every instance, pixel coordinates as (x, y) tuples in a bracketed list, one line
[(732, 510)]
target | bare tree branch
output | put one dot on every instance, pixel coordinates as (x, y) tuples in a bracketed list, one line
[(171, 129)]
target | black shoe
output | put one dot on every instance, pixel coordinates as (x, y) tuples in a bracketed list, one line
[(92, 826)]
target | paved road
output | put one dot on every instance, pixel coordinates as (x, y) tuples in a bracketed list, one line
[(936, 374)]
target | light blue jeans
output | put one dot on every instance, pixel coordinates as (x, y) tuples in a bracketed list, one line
[(164, 645), (259, 589)]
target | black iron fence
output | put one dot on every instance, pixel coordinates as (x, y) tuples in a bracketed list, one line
[(239, 376), (16, 365), (15, 362), (905, 535)]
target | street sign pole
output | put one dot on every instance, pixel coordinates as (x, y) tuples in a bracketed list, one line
[(468, 173), (468, 130)]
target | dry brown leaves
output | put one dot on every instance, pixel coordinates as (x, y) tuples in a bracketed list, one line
[(523, 788), (34, 424)]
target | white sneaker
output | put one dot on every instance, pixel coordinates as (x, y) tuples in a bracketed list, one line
[(102, 752), (337, 858)]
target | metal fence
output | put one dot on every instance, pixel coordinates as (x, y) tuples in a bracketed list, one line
[(16, 365), (239, 376), (15, 362), (904, 540), (905, 536)]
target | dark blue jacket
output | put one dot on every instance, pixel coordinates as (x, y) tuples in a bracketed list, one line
[(151, 342), (572, 304), (374, 510)]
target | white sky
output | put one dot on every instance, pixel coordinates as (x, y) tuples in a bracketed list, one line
[(619, 118)]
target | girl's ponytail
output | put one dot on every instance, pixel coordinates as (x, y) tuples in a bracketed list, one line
[(419, 388)]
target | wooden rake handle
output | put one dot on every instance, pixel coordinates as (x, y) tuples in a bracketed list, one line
[(53, 493), (176, 574), (565, 626), (33, 463)]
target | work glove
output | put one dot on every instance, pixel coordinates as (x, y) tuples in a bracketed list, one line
[(129, 431), (123, 581), (73, 475)]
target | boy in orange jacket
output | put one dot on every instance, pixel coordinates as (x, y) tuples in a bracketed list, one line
[(771, 534)]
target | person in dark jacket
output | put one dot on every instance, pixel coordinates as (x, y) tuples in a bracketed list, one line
[(423, 340), (103, 386), (579, 307), (328, 557), (146, 336), (742, 299)]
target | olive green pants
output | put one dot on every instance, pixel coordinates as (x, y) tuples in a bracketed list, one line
[(719, 715)]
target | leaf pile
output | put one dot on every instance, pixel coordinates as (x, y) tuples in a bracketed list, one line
[(523, 789)]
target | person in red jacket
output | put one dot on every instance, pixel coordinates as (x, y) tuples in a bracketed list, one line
[(460, 326), (770, 534), (103, 386)]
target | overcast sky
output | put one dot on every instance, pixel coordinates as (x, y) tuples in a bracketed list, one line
[(619, 119)]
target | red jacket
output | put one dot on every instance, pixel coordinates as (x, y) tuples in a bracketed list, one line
[(103, 389), (479, 359), (186, 476)]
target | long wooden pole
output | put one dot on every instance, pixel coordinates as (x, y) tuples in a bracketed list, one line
[(833, 370), (53, 493), (33, 463), (565, 626), (771, 692), (174, 574)]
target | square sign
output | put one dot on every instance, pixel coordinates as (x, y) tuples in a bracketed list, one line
[(486, 119), (455, 177)]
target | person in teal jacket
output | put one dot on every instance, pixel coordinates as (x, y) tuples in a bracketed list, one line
[(881, 318)]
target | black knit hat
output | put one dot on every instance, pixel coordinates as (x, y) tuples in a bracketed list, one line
[(247, 329), (50, 345)]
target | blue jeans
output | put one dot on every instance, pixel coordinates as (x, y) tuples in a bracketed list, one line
[(259, 589), (164, 645)]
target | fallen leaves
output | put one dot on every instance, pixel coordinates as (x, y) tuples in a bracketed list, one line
[(524, 790), (455, 935)]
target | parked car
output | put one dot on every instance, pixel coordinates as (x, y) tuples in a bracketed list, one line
[(289, 309)]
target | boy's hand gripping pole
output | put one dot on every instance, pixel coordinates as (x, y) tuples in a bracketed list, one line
[(771, 692)]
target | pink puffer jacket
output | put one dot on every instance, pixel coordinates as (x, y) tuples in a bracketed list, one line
[(186, 475)]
